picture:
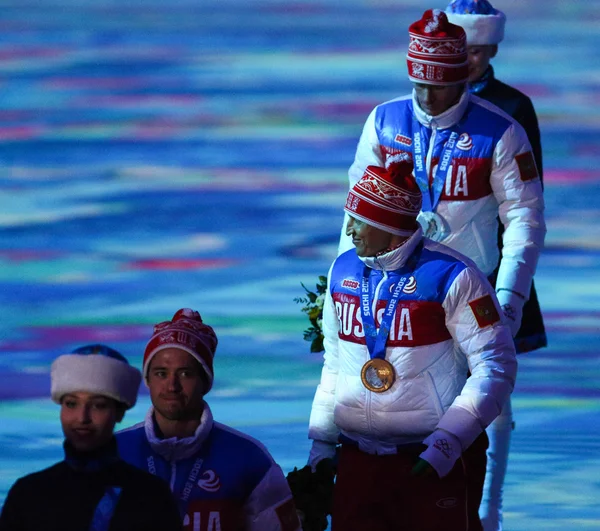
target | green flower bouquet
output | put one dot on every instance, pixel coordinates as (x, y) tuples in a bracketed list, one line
[(313, 308)]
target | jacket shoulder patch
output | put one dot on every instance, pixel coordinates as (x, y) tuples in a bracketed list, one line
[(527, 168), (485, 311)]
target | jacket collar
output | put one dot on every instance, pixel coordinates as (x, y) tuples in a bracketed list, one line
[(394, 259), (481, 84), (175, 449), (94, 461), (447, 119)]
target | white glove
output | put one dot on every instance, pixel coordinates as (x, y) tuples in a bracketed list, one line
[(512, 304), (320, 450), (443, 451)]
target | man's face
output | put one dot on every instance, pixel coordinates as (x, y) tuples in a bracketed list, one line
[(479, 59), (177, 384), (88, 419), (367, 239), (435, 100)]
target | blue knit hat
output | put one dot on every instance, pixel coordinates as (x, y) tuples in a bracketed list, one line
[(482, 23), (95, 369)]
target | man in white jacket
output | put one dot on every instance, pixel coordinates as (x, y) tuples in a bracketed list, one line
[(406, 320), (473, 163)]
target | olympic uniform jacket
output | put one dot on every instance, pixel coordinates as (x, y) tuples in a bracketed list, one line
[(446, 323), (222, 479), (492, 174)]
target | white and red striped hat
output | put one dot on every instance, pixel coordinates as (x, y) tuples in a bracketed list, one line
[(187, 332), (388, 199), (437, 50)]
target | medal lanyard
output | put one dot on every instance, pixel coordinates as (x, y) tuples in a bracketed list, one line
[(431, 195), (183, 501), (376, 340)]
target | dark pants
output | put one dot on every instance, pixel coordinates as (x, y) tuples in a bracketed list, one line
[(377, 493)]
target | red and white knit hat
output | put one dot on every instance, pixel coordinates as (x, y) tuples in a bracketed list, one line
[(437, 51), (187, 332), (388, 199)]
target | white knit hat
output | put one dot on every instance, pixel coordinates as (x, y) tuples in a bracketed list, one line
[(483, 24), (95, 369)]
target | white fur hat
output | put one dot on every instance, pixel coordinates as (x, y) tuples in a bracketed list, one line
[(482, 23), (95, 369)]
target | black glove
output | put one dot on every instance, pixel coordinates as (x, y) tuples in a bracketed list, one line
[(313, 494)]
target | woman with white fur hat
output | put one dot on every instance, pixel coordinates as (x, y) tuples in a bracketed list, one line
[(92, 488)]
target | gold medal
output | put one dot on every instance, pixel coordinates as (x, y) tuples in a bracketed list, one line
[(378, 375)]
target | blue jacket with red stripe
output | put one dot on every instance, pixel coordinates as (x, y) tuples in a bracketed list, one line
[(222, 479)]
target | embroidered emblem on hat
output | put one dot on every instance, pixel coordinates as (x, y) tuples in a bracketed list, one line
[(167, 337), (352, 202), (527, 168), (485, 311), (465, 142), (418, 70)]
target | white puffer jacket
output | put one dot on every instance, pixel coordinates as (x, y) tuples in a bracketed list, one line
[(446, 323), (492, 175)]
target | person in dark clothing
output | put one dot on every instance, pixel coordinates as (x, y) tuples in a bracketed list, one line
[(484, 28), (92, 489)]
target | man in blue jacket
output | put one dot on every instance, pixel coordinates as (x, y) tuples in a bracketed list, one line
[(221, 478)]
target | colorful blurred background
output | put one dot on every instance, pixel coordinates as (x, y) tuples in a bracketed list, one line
[(157, 155)]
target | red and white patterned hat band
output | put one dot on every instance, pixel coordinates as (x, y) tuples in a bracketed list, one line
[(437, 50), (187, 332), (387, 199)]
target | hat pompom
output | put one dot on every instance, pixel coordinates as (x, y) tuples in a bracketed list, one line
[(400, 168)]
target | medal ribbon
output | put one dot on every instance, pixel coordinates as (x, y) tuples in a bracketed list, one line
[(187, 486), (105, 509), (375, 339), (431, 195)]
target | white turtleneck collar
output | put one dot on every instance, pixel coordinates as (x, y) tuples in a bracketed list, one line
[(448, 118), (396, 258), (174, 449)]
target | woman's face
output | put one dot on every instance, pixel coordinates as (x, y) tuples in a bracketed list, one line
[(88, 420)]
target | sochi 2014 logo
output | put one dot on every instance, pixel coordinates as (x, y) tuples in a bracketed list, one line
[(465, 142)]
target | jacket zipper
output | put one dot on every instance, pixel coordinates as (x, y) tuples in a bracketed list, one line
[(429, 160), (173, 475)]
